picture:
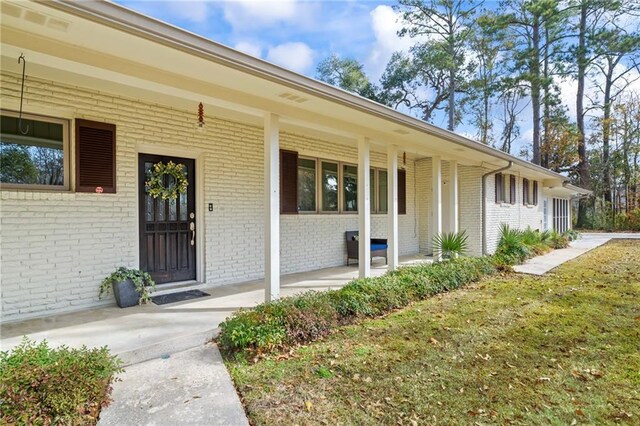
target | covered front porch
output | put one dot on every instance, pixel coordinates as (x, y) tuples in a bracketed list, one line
[(150, 331)]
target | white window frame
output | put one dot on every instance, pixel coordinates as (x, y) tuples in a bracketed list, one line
[(66, 151)]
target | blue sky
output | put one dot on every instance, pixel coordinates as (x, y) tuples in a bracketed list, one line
[(296, 34)]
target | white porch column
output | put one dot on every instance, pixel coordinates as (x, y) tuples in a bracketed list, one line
[(392, 206), (436, 181), (364, 209), (271, 207), (453, 196)]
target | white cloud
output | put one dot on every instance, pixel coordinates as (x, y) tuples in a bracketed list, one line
[(249, 48), (252, 13), (295, 56), (385, 23)]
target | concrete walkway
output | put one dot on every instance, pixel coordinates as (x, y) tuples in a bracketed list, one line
[(186, 388), (540, 265)]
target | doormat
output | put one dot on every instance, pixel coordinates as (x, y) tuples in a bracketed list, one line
[(178, 297)]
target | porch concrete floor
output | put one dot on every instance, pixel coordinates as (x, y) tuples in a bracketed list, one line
[(145, 332)]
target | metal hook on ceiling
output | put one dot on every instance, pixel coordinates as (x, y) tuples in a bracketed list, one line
[(22, 60)]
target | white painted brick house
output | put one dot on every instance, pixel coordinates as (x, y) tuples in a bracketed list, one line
[(109, 92)]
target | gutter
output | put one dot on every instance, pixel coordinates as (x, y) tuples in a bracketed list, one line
[(585, 194), (484, 203)]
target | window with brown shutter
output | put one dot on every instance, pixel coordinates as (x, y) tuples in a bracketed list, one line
[(402, 192), (498, 186), (525, 191), (535, 192), (512, 187), (288, 182), (95, 156)]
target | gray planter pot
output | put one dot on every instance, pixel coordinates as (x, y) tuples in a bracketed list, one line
[(126, 294)]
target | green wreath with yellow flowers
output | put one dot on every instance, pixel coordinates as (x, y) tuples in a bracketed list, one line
[(155, 180)]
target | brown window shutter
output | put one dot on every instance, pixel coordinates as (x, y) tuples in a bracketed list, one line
[(498, 187), (535, 192), (512, 187), (402, 192), (95, 156), (525, 191), (288, 182)]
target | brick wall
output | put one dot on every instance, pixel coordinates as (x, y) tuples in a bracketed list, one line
[(515, 215), (469, 204), (57, 246)]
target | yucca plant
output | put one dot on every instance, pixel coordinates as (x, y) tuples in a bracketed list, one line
[(536, 241), (450, 244), (511, 244), (531, 237), (571, 234), (545, 237)]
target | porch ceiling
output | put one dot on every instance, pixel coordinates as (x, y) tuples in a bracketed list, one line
[(114, 50)]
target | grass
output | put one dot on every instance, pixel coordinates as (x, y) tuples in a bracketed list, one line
[(513, 349)]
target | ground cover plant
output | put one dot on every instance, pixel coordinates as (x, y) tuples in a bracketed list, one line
[(510, 349), (43, 385), (290, 321)]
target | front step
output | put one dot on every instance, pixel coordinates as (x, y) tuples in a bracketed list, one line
[(167, 347), (177, 287)]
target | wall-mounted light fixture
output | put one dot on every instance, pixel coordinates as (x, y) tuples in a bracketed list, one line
[(404, 160)]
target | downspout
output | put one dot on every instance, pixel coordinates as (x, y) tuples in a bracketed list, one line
[(484, 203)]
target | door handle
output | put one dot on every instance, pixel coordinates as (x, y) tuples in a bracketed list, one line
[(192, 227)]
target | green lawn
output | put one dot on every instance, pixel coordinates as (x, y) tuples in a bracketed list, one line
[(560, 349)]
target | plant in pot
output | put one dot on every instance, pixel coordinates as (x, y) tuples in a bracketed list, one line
[(130, 286)]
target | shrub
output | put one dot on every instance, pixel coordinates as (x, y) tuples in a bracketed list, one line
[(450, 244), (537, 242), (511, 246), (41, 385), (571, 234), (312, 315), (629, 221), (559, 241)]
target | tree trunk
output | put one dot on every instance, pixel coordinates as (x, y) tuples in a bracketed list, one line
[(452, 99), (545, 102), (485, 131), (583, 164), (452, 74), (606, 126), (535, 89)]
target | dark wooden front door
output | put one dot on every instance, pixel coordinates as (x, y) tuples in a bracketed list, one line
[(167, 227)]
